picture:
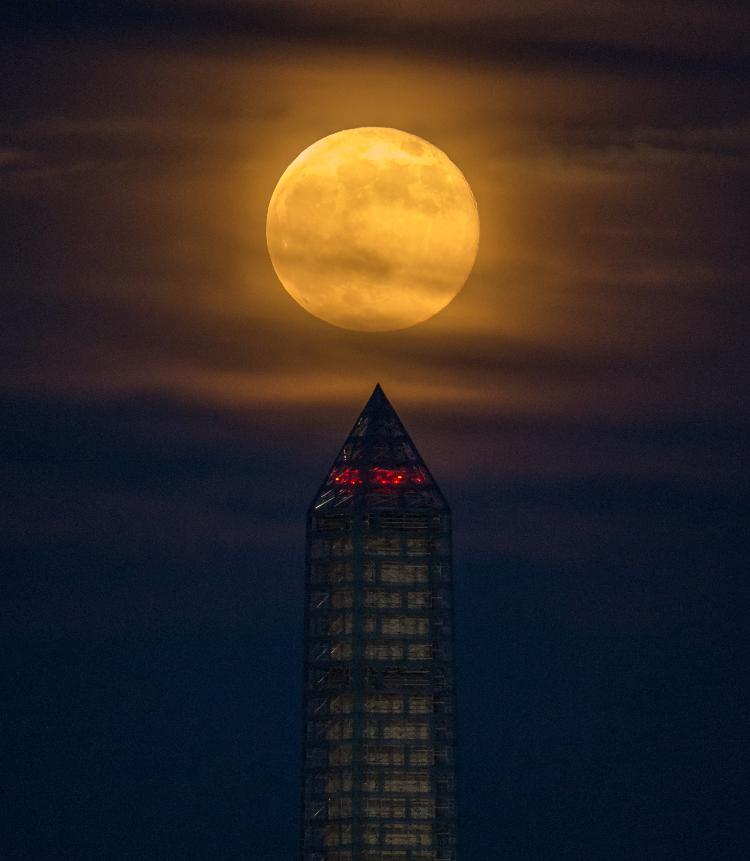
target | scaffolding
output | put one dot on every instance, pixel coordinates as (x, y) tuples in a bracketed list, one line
[(379, 747)]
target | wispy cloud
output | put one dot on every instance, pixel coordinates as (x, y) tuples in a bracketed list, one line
[(664, 39)]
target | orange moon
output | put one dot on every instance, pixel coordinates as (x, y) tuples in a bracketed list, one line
[(372, 229)]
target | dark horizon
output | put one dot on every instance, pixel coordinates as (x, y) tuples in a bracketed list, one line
[(168, 412)]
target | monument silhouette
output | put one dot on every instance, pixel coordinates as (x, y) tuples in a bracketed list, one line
[(379, 746)]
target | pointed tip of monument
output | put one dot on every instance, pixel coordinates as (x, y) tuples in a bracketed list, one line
[(378, 396), (379, 457)]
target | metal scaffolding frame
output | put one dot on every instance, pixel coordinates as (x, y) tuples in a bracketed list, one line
[(379, 705)]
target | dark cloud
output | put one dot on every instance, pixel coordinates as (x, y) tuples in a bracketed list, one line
[(701, 39), (148, 480)]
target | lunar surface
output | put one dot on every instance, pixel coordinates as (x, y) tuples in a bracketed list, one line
[(372, 229)]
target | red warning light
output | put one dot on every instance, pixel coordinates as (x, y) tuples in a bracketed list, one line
[(383, 477), (380, 477), (346, 477)]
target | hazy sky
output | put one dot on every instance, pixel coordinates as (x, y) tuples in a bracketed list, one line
[(169, 412)]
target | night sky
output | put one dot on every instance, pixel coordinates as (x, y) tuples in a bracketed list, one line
[(168, 413)]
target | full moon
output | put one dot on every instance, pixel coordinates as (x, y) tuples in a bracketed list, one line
[(372, 229)]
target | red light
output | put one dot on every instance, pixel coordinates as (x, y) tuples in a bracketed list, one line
[(383, 477), (346, 477), (379, 476)]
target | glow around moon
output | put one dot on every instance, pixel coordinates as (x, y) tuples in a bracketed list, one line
[(372, 229)]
